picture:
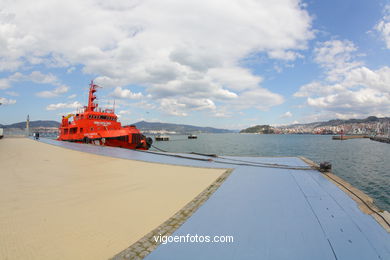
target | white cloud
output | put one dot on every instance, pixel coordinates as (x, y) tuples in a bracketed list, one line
[(350, 89), (72, 96), (125, 93), (4, 84), (375, 79), (124, 112), (198, 104), (361, 92), (223, 112), (234, 78), (316, 88), (222, 115), (284, 55), (336, 57), (174, 49), (258, 98), (287, 115), (39, 78), (383, 26), (362, 100), (193, 88), (53, 93), (57, 106), (181, 106), (34, 76), (173, 107), (5, 101), (124, 115), (145, 105)]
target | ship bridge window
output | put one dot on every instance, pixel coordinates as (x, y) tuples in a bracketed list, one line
[(73, 130), (103, 117)]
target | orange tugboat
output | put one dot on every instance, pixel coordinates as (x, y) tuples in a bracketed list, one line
[(99, 126)]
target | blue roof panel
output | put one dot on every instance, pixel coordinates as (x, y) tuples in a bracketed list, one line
[(271, 213)]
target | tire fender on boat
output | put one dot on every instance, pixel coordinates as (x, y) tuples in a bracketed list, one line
[(86, 140)]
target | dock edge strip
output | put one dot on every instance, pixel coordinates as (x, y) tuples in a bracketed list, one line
[(147, 244), (357, 195)]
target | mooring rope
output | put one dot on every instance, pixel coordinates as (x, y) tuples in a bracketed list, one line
[(238, 163)]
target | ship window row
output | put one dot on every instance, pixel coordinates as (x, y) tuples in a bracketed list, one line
[(72, 130), (102, 117)]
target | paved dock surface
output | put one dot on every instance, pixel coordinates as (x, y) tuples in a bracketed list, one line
[(56, 203), (271, 213), (280, 214)]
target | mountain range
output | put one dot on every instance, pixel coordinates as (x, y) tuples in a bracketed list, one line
[(37, 123), (178, 128)]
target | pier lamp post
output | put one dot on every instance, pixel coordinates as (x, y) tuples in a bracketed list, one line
[(28, 126)]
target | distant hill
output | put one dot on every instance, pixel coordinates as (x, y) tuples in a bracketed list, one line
[(336, 122), (258, 129), (178, 128), (37, 123)]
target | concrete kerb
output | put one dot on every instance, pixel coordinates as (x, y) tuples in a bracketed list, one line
[(147, 244)]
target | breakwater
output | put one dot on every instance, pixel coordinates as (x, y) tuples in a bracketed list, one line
[(346, 137), (381, 139)]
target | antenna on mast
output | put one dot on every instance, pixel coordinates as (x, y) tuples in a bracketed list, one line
[(113, 108)]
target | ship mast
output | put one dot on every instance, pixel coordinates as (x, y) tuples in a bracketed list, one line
[(91, 104)]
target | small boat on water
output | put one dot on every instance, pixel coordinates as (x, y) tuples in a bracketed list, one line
[(191, 136), (162, 138), (99, 126)]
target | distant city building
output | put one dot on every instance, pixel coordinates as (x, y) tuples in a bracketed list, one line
[(380, 128)]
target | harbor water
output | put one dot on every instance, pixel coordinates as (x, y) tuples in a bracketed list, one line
[(362, 162)]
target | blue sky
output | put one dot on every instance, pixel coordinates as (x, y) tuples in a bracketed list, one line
[(228, 64)]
